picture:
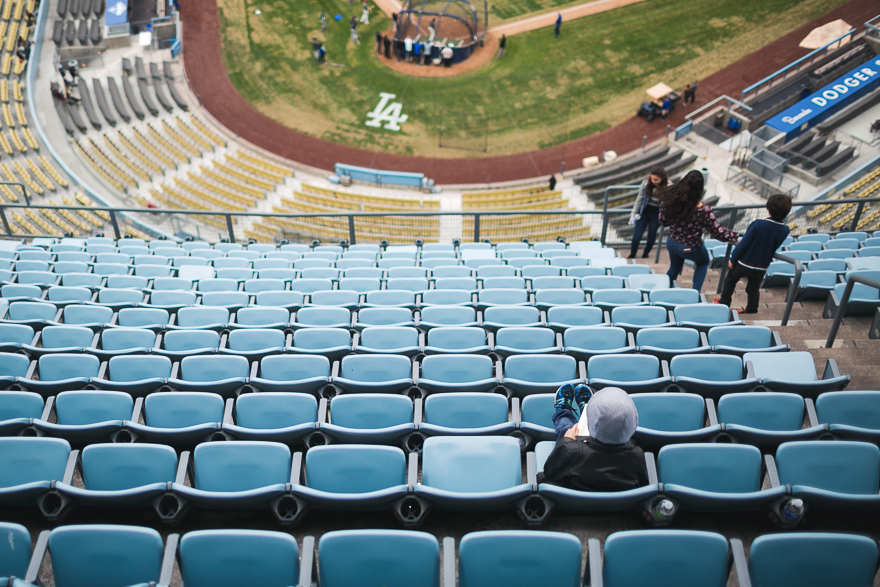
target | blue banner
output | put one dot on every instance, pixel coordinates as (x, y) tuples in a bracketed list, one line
[(117, 12), (830, 99)]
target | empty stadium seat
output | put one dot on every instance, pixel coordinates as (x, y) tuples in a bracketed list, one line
[(666, 343), (548, 298), (254, 343), (178, 419), (298, 373), (15, 553), (456, 340), (224, 558), (222, 374), (466, 414), (83, 417), (33, 314), (669, 298), (279, 417), (261, 317), (369, 418), (322, 317), (60, 339), (399, 298), (528, 374), (488, 298), (705, 316), (372, 373), (796, 373), (497, 317), (30, 467), (710, 375), (562, 317), (62, 371), (438, 316), (390, 340), (137, 375), (152, 318), (738, 340), (289, 300), (523, 341), (94, 317), (633, 373), (634, 318), (446, 297), (399, 317), (177, 344), (583, 342), (454, 373), (672, 418), (851, 415)]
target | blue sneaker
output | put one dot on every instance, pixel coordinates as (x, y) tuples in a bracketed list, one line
[(582, 395), (564, 397)]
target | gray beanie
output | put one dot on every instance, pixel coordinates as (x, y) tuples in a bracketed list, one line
[(612, 416)]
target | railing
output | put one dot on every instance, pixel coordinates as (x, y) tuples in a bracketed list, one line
[(844, 300), (795, 66), (730, 102), (608, 224), (872, 27)]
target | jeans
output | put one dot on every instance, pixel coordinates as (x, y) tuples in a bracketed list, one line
[(678, 253), (563, 420), (649, 219), (753, 284)]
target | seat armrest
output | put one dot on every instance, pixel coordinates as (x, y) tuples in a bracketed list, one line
[(734, 315), (421, 341), (630, 339), (334, 370), (449, 562), (775, 339), (288, 340), (412, 470), (664, 368), (227, 411), (72, 459), (812, 417), (704, 340), (515, 411), (33, 570), (255, 368), (95, 340), (172, 319), (296, 468), (593, 570), (710, 412), (740, 563), (158, 344), (307, 562), (170, 553), (182, 468), (499, 371), (671, 316), (772, 473), (416, 369), (417, 412), (532, 469), (102, 370), (607, 314), (582, 370), (322, 411), (138, 408), (114, 319), (355, 339), (831, 370), (651, 466), (175, 370), (32, 368), (490, 340), (47, 409), (750, 370), (559, 339), (223, 338)]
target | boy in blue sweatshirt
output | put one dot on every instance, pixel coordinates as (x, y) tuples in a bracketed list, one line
[(754, 252)]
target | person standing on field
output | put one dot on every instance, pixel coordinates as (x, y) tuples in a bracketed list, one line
[(365, 17), (558, 23), (502, 47), (354, 31), (323, 22)]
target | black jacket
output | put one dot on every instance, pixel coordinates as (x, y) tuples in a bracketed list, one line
[(592, 466)]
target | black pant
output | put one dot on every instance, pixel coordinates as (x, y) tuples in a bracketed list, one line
[(650, 218), (753, 277)]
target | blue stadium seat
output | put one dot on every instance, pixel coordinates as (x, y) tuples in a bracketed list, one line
[(231, 300), (33, 314), (811, 559), (242, 475), (154, 271), (333, 343), (391, 558), (137, 375), (608, 299), (398, 298), (714, 477), (568, 262), (414, 284), (821, 238), (850, 415), (466, 283), (548, 298), (599, 282), (343, 298), (120, 298), (39, 278), (669, 298), (831, 475), (225, 375), (738, 340), (498, 317), (179, 419), (633, 373), (288, 418), (562, 317), (261, 317), (260, 264), (94, 317), (814, 246), (60, 339), (692, 558), (583, 342), (536, 417), (177, 344), (454, 373), (672, 418), (438, 316), (766, 419), (254, 343), (456, 340), (152, 318), (488, 298), (84, 417), (528, 374), (17, 408), (289, 300), (491, 270), (480, 473), (322, 317), (30, 467), (710, 375), (705, 316), (299, 373), (369, 418), (580, 272), (630, 270), (123, 475), (666, 343), (796, 373), (399, 317), (172, 284), (61, 295), (62, 372), (99, 554), (255, 286), (519, 558), (389, 340), (15, 552), (215, 285), (360, 268), (863, 301), (331, 273), (815, 284), (552, 282), (634, 318), (86, 280), (447, 297), (20, 292), (844, 253), (843, 243), (14, 336), (287, 274), (535, 271), (524, 341), (225, 558), (466, 414)]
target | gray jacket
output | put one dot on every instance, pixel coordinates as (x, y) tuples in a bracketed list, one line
[(641, 199)]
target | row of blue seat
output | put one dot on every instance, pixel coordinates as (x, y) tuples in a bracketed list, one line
[(457, 473), (400, 558), (184, 419), (711, 375)]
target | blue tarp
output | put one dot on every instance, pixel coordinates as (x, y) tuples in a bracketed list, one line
[(117, 12), (831, 99)]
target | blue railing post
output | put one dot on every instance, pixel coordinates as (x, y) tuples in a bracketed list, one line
[(844, 300)]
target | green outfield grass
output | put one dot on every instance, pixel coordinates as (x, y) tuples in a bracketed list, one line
[(544, 92)]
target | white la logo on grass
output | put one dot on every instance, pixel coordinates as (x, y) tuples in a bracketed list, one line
[(385, 112)]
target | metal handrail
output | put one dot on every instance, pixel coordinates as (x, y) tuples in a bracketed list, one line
[(793, 287), (851, 281), (797, 63), (605, 209), (745, 107)]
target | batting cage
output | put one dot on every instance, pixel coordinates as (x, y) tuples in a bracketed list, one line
[(446, 23)]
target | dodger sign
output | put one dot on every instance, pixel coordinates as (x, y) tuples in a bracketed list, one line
[(828, 100), (387, 113)]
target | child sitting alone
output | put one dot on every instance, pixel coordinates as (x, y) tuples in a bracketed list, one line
[(754, 252)]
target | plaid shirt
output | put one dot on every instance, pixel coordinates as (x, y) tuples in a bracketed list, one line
[(691, 232)]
